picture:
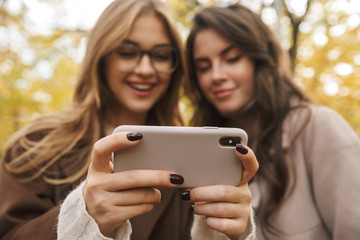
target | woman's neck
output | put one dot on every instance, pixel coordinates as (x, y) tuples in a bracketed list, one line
[(248, 120), (126, 119)]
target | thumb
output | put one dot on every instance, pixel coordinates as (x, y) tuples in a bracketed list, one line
[(103, 149), (249, 162)]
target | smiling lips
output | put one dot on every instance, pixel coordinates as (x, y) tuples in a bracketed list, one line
[(141, 89), (141, 86), (223, 93)]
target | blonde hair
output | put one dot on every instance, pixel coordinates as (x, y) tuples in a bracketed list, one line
[(70, 133)]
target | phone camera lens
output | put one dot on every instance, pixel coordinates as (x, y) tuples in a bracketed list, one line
[(229, 141)]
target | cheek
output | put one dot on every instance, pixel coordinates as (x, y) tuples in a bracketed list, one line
[(204, 84), (163, 85), (115, 81), (245, 77), (206, 89), (111, 74), (247, 81), (250, 83), (165, 80)]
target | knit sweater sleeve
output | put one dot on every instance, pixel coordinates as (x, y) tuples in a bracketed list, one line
[(200, 230), (75, 223)]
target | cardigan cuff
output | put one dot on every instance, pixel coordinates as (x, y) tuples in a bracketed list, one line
[(74, 222), (250, 233), (200, 229)]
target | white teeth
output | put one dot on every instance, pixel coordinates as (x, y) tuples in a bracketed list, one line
[(141, 86)]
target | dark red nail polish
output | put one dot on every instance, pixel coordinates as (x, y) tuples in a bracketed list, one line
[(185, 195), (176, 179), (241, 149), (133, 136)]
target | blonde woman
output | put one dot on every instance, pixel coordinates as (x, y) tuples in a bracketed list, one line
[(131, 74)]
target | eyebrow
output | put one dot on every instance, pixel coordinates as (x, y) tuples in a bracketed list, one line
[(226, 50), (223, 52), (136, 44)]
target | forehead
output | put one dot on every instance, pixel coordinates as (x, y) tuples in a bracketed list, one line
[(209, 42), (148, 31)]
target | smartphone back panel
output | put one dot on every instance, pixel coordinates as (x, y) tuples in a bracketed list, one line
[(196, 153)]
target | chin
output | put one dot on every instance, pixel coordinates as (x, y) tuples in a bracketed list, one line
[(142, 110), (229, 111), (235, 108)]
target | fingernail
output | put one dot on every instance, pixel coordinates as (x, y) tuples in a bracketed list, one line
[(176, 179), (192, 207), (185, 195), (133, 136), (241, 149), (162, 196)]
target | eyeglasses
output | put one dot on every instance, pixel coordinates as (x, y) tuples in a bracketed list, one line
[(164, 59)]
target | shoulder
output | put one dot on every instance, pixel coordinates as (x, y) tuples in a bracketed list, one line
[(312, 115), (322, 129), (317, 123), (329, 122)]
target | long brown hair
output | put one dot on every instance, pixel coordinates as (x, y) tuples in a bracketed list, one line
[(74, 130), (273, 90)]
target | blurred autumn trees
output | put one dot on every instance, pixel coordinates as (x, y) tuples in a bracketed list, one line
[(38, 70)]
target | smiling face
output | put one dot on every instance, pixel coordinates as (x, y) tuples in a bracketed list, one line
[(137, 91), (225, 74)]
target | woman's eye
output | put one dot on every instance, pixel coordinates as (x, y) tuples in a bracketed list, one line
[(202, 67), (162, 57), (233, 59), (127, 54), (127, 51)]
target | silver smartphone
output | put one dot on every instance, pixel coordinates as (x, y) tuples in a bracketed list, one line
[(202, 155)]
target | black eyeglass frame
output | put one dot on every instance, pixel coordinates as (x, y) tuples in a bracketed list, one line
[(176, 58)]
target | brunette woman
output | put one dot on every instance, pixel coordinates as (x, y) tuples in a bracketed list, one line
[(307, 186)]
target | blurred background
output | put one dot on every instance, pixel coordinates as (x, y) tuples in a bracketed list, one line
[(42, 43)]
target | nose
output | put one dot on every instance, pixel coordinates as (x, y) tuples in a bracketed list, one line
[(218, 74), (145, 66)]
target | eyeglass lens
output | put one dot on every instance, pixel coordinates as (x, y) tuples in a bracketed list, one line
[(164, 59)]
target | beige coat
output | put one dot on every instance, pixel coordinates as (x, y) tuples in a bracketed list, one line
[(325, 203)]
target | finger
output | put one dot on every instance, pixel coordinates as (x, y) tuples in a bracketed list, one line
[(218, 193), (249, 161), (220, 209), (143, 178), (136, 196), (108, 221), (102, 206), (103, 148), (228, 226)]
